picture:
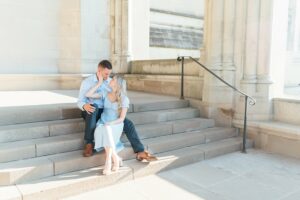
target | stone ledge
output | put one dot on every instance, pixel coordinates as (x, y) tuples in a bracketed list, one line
[(166, 84), (281, 129), (286, 110), (165, 67), (274, 137), (11, 82)]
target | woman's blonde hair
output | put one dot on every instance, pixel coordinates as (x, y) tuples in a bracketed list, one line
[(121, 91)]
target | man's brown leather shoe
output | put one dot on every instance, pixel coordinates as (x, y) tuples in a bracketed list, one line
[(88, 151), (145, 156)]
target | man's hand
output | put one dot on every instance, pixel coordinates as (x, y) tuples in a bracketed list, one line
[(89, 108)]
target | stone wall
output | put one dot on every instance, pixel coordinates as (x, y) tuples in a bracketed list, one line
[(176, 28), (53, 36), (163, 77), (29, 36)]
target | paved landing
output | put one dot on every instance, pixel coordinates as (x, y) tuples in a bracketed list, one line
[(256, 175)]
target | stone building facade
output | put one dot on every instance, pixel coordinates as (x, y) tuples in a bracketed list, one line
[(53, 44)]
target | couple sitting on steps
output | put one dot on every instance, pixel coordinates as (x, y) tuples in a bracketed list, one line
[(104, 103)]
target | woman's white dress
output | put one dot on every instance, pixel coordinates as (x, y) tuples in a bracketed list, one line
[(109, 135)]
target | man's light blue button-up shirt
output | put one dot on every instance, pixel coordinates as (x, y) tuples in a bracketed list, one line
[(86, 85)]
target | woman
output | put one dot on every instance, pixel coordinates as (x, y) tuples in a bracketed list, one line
[(110, 126)]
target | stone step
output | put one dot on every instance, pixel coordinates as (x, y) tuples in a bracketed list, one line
[(40, 113), (40, 147), (36, 168), (158, 105), (171, 127), (65, 143), (74, 160), (18, 132), (177, 141), (73, 183), (37, 113), (286, 110), (163, 115)]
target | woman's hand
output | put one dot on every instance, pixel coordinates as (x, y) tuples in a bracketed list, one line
[(100, 78), (92, 93)]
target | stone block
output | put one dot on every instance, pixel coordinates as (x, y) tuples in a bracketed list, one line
[(135, 84), (192, 124), (152, 130), (70, 113), (13, 133), (286, 110), (170, 88), (74, 161), (176, 141), (59, 144), (10, 193), (166, 84), (182, 114), (220, 147), (166, 161), (65, 185), (216, 134), (146, 118), (29, 114), (282, 145), (153, 86), (66, 127), (25, 170), (17, 151), (160, 105), (159, 116)]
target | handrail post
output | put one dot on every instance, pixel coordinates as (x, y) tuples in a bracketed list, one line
[(245, 126), (182, 78)]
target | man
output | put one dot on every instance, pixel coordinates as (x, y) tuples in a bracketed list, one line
[(93, 108)]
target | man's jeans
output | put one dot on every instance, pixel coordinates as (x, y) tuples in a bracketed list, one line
[(129, 129)]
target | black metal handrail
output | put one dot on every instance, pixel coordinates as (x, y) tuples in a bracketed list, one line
[(251, 100)]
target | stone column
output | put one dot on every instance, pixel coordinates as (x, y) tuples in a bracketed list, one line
[(261, 89), (228, 35), (203, 56), (119, 35), (251, 41), (252, 62), (244, 44), (214, 36), (263, 60), (218, 42), (264, 42), (255, 64)]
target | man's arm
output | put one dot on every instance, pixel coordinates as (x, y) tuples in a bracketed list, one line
[(82, 99)]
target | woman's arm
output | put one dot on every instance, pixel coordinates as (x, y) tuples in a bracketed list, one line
[(92, 92), (121, 118)]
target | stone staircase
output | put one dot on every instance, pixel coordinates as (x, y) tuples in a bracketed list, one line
[(41, 146)]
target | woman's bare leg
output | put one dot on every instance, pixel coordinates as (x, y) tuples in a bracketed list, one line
[(107, 167), (116, 161)]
